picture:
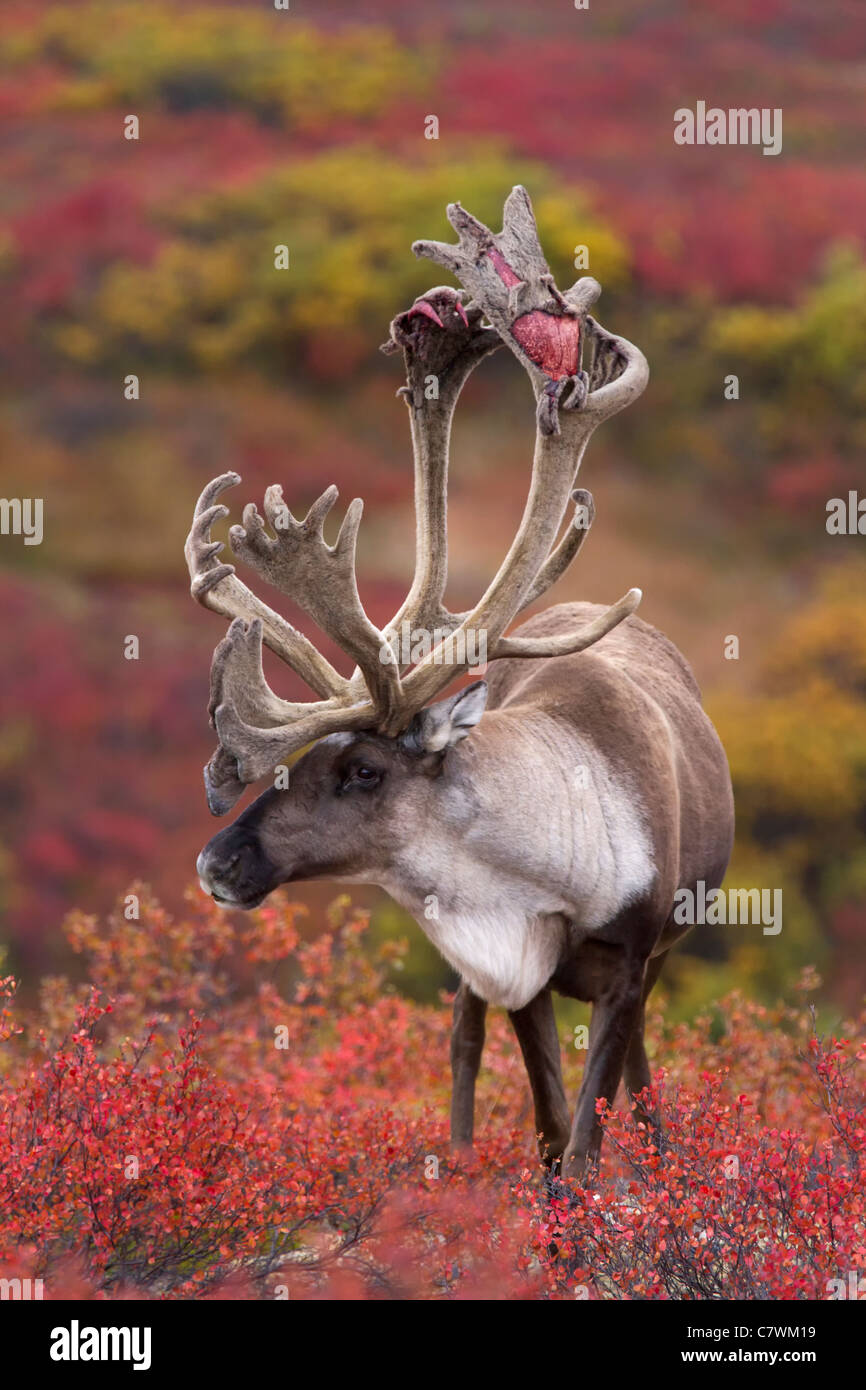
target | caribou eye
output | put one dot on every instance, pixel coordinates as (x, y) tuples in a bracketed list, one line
[(364, 775)]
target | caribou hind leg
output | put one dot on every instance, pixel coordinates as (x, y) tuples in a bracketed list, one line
[(535, 1026), (615, 1015), (637, 1072), (467, 1043)]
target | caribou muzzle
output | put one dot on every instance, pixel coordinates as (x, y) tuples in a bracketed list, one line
[(234, 869)]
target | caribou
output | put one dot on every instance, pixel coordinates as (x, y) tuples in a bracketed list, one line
[(538, 823)]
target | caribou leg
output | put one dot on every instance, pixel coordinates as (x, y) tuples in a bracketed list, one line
[(535, 1026), (615, 1015), (637, 1072), (467, 1042)]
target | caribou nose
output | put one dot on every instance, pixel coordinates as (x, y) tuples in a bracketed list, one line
[(216, 872), (201, 868), (234, 871)]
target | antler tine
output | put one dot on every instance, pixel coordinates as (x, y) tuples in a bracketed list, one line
[(321, 580), (236, 677), (619, 372), (257, 751), (569, 547), (247, 752), (237, 683), (216, 586), (569, 642)]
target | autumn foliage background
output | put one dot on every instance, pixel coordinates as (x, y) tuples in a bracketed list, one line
[(306, 1166)]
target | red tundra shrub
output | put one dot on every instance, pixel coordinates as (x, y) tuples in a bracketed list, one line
[(721, 1205), (228, 1110)]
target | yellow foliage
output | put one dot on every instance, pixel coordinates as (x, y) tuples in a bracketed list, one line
[(760, 335), (819, 346), (797, 751), (828, 638), (281, 69), (213, 296), (800, 754)]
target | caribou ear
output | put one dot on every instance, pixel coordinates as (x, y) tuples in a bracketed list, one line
[(440, 726)]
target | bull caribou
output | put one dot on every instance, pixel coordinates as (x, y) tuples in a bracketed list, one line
[(536, 824)]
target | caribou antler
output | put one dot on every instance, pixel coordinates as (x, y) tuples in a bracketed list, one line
[(442, 343), (237, 681), (546, 330), (509, 277), (515, 301), (215, 586), (321, 580)]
